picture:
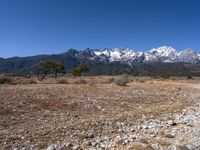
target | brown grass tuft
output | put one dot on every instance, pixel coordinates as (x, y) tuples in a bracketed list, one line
[(108, 81), (6, 80), (169, 136), (62, 81), (122, 81), (163, 143), (137, 147), (80, 81), (24, 81)]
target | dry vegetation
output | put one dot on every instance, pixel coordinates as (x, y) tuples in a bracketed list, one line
[(16, 80), (44, 113)]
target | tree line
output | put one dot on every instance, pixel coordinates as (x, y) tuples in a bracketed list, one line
[(44, 68)]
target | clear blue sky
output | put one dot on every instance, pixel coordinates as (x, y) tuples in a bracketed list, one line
[(29, 27)]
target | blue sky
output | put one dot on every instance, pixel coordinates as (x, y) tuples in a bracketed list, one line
[(29, 27)]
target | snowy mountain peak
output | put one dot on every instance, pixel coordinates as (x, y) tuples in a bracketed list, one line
[(189, 51), (162, 54), (163, 51), (188, 55), (116, 54)]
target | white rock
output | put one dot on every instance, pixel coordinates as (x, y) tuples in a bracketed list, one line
[(51, 148), (76, 147)]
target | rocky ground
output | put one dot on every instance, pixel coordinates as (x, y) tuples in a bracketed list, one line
[(144, 115)]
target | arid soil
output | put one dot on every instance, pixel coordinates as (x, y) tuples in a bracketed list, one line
[(97, 114)]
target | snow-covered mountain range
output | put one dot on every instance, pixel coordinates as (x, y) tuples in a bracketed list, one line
[(162, 54), (114, 61)]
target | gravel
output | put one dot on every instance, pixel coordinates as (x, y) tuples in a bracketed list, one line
[(95, 130)]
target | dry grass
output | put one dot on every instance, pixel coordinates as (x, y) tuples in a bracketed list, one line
[(168, 136), (24, 81), (53, 112), (108, 81), (163, 143), (62, 81), (16, 80), (122, 80), (80, 81), (143, 141), (142, 79), (5, 80), (137, 147)]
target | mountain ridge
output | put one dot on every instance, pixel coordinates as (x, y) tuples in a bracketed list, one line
[(160, 54), (108, 61)]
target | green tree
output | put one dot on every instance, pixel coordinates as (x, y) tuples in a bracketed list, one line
[(45, 67), (82, 68), (42, 69), (57, 68)]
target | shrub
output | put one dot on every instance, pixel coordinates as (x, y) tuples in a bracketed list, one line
[(141, 79), (62, 81), (6, 80), (154, 76), (82, 68), (14, 81), (189, 77), (165, 76), (122, 81), (80, 81), (24, 81), (108, 81), (31, 82)]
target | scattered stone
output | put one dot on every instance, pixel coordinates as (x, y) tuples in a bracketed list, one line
[(88, 143), (68, 144), (88, 134), (76, 147), (171, 123), (51, 148)]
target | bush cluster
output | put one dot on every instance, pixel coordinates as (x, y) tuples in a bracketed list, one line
[(14, 81), (6, 80), (122, 81), (108, 81)]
